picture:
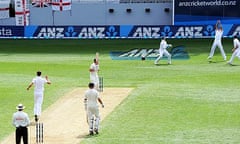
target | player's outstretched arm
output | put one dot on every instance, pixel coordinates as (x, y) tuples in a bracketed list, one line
[(48, 81), (29, 86)]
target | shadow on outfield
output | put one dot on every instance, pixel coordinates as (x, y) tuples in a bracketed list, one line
[(222, 62), (216, 61), (163, 64), (233, 65)]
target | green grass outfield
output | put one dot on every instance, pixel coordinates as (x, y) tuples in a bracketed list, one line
[(189, 102)]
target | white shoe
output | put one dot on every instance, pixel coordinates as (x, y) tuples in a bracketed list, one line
[(229, 63), (209, 57)]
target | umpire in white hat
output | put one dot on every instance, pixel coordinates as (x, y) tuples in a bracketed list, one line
[(21, 120)]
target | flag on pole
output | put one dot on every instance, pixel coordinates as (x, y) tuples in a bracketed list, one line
[(4, 9), (41, 3), (21, 13), (61, 5)]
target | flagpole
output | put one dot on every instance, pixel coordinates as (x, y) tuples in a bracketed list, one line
[(53, 17), (71, 9)]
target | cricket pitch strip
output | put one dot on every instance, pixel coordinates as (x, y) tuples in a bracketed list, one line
[(65, 120)]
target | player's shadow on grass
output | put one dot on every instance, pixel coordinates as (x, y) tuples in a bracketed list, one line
[(233, 65), (222, 62), (163, 64), (86, 136), (216, 61)]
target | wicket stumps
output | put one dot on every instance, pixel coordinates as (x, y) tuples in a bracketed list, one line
[(39, 133), (101, 84)]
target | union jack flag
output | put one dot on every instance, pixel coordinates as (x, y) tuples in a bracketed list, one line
[(41, 3)]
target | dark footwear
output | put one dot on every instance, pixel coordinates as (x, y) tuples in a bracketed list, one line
[(36, 118), (91, 133), (96, 131)]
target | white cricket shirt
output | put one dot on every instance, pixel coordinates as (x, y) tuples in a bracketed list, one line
[(236, 43), (92, 97), (218, 35), (39, 84), (95, 68), (20, 118)]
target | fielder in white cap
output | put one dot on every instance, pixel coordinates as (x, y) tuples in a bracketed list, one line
[(21, 120)]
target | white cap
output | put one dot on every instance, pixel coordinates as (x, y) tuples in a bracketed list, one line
[(20, 107)]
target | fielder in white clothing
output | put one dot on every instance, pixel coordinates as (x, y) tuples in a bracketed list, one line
[(163, 51), (94, 68), (91, 99), (218, 41), (38, 83), (235, 50)]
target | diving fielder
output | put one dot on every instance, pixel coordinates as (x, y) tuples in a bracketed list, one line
[(38, 83), (94, 68), (163, 51), (91, 99), (235, 50), (218, 41)]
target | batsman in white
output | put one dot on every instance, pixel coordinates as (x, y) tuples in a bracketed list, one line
[(218, 41), (235, 50), (163, 51), (94, 68), (91, 99), (38, 83), (21, 121)]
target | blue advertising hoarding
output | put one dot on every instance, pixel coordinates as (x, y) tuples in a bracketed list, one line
[(117, 31), (126, 31), (11, 31), (72, 31), (190, 12)]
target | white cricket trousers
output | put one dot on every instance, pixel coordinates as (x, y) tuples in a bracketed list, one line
[(95, 80), (38, 100), (161, 54), (219, 45), (93, 117), (236, 53)]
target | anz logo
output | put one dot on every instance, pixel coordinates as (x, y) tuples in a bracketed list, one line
[(177, 52), (209, 31), (189, 31), (166, 31), (51, 32), (70, 32), (92, 32), (144, 32), (81, 32), (111, 32)]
